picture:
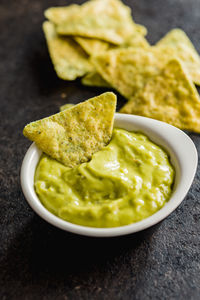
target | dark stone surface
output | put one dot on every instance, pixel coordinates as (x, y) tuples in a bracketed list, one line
[(38, 261)]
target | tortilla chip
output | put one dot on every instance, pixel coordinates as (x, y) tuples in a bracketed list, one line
[(179, 41), (108, 20), (58, 15), (127, 70), (93, 46), (75, 134), (175, 37), (170, 97), (135, 41), (94, 79), (68, 58), (66, 106)]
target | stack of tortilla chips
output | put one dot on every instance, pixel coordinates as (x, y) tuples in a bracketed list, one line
[(100, 42)]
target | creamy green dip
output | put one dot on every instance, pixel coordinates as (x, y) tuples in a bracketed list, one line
[(127, 181)]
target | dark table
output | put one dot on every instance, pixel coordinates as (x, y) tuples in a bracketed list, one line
[(38, 261)]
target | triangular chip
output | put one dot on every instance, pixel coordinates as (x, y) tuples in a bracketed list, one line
[(93, 46), (94, 79), (127, 70), (96, 46), (68, 58), (109, 20), (75, 134), (136, 41), (179, 41), (170, 97), (175, 37), (58, 15)]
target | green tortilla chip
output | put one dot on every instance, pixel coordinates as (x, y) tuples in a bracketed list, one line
[(185, 51), (93, 46), (170, 97), (66, 106), (127, 70), (58, 15), (175, 37), (96, 46), (94, 79), (75, 134), (68, 58), (108, 20), (135, 41)]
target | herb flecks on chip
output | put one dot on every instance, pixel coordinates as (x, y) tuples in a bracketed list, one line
[(170, 97), (108, 20), (68, 58), (75, 134), (178, 41)]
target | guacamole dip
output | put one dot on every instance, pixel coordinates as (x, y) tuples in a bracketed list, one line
[(127, 181)]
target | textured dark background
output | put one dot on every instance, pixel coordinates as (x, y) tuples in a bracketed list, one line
[(38, 261)]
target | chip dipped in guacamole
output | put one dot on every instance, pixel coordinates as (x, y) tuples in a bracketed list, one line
[(73, 135), (125, 178), (127, 181)]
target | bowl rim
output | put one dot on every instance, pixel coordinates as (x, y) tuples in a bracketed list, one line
[(175, 141)]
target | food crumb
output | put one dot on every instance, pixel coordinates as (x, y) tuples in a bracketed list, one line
[(63, 95)]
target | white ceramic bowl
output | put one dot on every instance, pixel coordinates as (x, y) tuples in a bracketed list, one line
[(177, 144)]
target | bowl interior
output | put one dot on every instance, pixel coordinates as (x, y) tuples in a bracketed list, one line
[(174, 141)]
